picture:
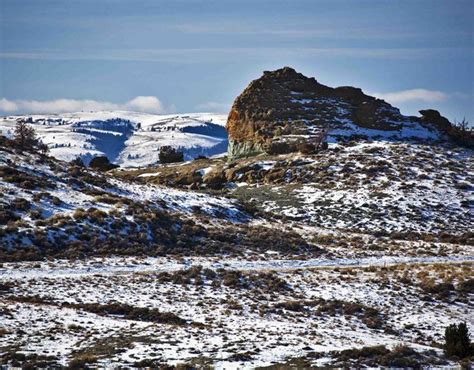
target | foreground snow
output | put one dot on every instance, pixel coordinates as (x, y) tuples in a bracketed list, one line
[(229, 326)]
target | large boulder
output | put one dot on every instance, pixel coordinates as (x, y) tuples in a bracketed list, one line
[(432, 116), (284, 111)]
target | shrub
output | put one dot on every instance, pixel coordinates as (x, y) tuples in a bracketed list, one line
[(457, 340), (77, 162), (466, 286), (441, 289), (461, 133), (7, 216), (102, 163), (169, 154), (131, 312)]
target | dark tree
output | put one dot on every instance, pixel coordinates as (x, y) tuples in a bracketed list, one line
[(78, 162), (102, 163), (457, 340), (42, 147), (169, 154), (24, 135)]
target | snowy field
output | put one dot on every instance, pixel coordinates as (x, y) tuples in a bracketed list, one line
[(129, 139), (360, 255), (232, 313)]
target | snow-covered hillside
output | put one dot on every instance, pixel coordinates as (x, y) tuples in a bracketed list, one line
[(120, 269), (129, 139)]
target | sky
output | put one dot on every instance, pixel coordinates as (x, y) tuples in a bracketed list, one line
[(188, 56)]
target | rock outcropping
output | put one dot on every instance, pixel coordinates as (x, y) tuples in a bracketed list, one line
[(285, 111)]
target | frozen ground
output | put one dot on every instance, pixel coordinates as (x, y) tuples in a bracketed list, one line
[(238, 313), (366, 244), (369, 186)]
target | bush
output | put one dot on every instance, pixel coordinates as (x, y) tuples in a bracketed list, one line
[(6, 216), (77, 162), (102, 163), (169, 154), (466, 286), (457, 340)]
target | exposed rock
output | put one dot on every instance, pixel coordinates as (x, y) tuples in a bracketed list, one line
[(284, 111), (460, 133), (434, 117)]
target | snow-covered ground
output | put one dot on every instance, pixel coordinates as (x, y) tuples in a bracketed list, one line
[(270, 314), (72, 198), (129, 139), (368, 186), (198, 291)]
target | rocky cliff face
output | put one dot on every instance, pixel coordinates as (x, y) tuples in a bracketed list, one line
[(285, 111)]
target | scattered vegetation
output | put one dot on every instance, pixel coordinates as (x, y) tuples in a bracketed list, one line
[(263, 281), (169, 154), (457, 341), (401, 356)]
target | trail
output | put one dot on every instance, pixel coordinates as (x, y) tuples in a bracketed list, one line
[(117, 266)]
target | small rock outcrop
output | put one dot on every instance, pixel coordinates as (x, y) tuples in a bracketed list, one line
[(285, 111)]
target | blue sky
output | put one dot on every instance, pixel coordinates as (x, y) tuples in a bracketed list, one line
[(199, 55)]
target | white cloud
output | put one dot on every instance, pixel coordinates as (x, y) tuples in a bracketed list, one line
[(146, 104), (149, 104), (403, 96), (7, 105), (213, 106)]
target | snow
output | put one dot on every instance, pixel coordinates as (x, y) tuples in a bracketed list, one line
[(254, 327), (130, 139), (407, 130), (124, 265)]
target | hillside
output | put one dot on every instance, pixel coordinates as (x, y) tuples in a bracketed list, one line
[(128, 139), (364, 186), (355, 252)]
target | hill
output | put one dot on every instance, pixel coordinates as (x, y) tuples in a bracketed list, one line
[(335, 233), (128, 139)]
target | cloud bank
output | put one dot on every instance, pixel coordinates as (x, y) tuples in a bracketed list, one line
[(145, 104), (404, 96)]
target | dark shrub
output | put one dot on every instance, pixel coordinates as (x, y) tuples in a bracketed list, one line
[(169, 154), (131, 312), (78, 162), (102, 163), (6, 216), (466, 286), (306, 148), (442, 289), (20, 204), (457, 340)]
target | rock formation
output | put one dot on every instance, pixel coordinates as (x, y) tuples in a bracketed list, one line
[(285, 111)]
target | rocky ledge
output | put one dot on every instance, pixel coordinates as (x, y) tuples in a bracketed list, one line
[(284, 111)]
